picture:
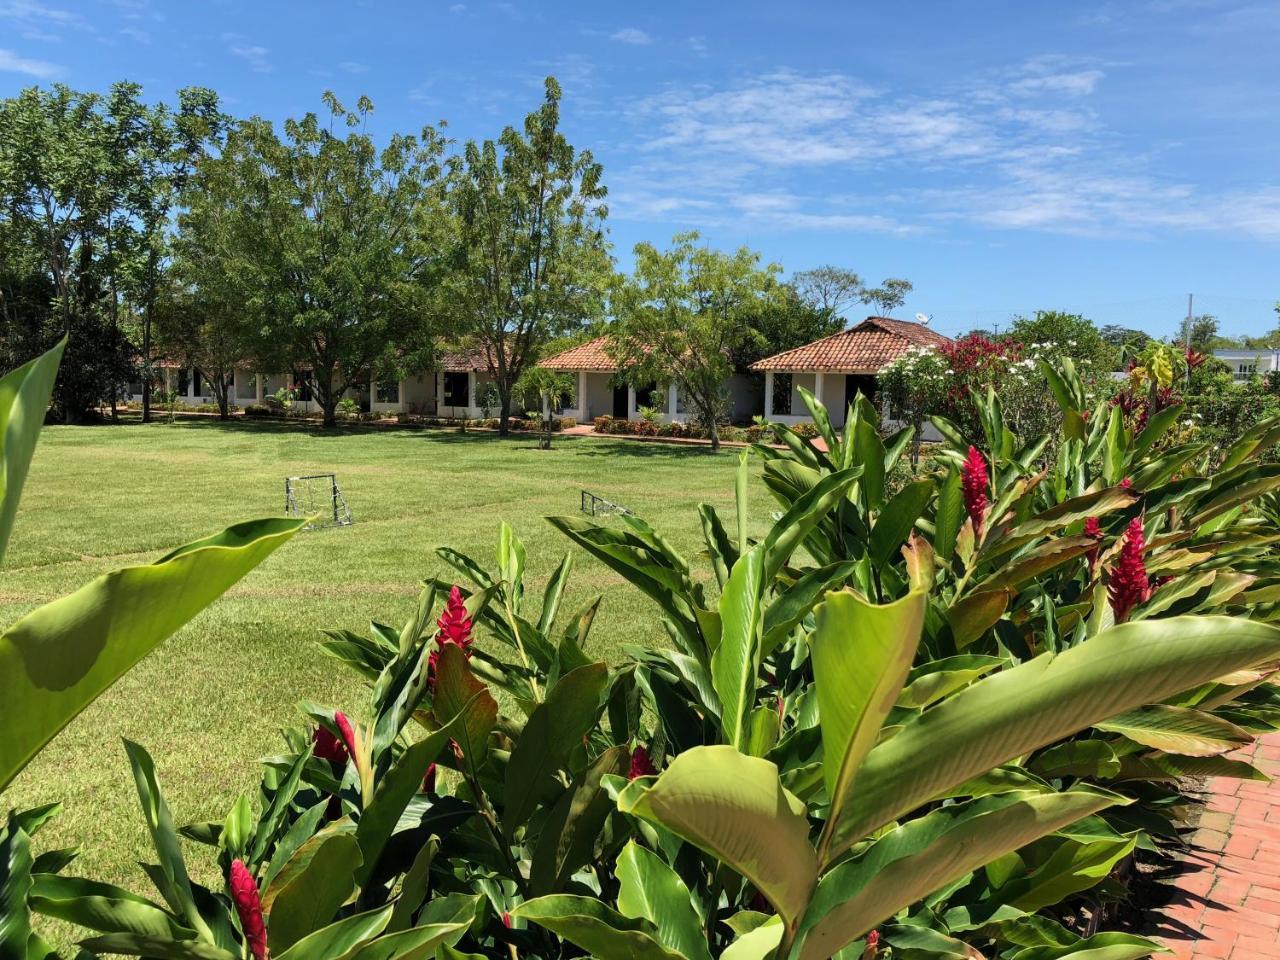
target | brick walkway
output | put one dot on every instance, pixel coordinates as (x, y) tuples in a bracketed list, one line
[(1228, 898)]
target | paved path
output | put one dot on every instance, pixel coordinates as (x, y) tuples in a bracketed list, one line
[(1228, 899)]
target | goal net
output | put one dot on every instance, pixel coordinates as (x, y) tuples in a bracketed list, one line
[(317, 496)]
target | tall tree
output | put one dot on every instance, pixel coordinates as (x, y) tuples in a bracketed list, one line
[(530, 258), (830, 289), (1071, 335), (889, 296), (683, 315), (332, 243), (86, 188), (789, 319)]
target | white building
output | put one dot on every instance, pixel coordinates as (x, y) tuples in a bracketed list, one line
[(1246, 363)]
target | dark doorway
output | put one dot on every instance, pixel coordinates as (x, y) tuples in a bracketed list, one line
[(859, 383), (620, 411)]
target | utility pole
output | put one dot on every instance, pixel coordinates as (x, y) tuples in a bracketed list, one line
[(1186, 327)]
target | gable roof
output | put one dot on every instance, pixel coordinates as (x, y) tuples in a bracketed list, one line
[(590, 356), (867, 347)]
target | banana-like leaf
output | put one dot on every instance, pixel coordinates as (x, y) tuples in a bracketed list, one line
[(808, 510), (103, 907), (1045, 700), (930, 682), (651, 890), (1101, 946), (1167, 766), (596, 928), (1178, 730), (57, 659), (15, 885), (415, 944), (797, 601), (24, 399), (1072, 868), (758, 943), (1077, 758), (736, 661), (861, 654), (310, 889), (340, 938), (162, 948), (555, 727), (735, 808), (913, 860), (895, 521), (568, 836)]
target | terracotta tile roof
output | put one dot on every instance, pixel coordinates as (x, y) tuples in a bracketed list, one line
[(868, 347), (463, 361), (589, 356)]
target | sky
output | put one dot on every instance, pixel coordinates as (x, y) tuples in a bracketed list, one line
[(1106, 158)]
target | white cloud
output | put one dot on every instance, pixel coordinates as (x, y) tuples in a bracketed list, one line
[(632, 35), (253, 54), (458, 8), (136, 33), (351, 66), (1019, 149), (40, 69)]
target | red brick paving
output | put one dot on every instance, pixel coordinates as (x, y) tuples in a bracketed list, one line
[(1227, 903)]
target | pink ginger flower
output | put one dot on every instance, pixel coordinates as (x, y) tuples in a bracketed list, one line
[(1129, 584), (974, 483), (641, 765), (873, 945), (244, 894), (1126, 483), (429, 781), (325, 746)]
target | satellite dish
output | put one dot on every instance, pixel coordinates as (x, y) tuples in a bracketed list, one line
[(923, 319)]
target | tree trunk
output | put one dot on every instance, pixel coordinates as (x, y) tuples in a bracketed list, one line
[(714, 430), (504, 410), (146, 362)]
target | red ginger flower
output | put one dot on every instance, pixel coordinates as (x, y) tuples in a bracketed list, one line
[(974, 483), (641, 765), (1126, 483), (454, 625), (1129, 585), (325, 746), (429, 781), (873, 944), (345, 729), (244, 894)]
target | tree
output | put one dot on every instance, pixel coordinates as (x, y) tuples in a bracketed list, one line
[(684, 313), (530, 257), (889, 296), (789, 319), (86, 189), (830, 289), (1127, 341), (1201, 332), (1070, 335), (333, 245)]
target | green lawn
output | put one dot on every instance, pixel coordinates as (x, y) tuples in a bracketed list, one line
[(211, 700)]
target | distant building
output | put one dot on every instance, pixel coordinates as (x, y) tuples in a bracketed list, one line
[(1245, 364)]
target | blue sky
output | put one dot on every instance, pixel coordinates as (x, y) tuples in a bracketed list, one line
[(1107, 158)]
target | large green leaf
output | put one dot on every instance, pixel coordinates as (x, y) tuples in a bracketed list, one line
[(736, 661), (24, 399), (341, 937), (307, 896), (1071, 868), (1045, 700), (1178, 730), (897, 518), (57, 659), (170, 876), (735, 808), (15, 884), (415, 944), (556, 726), (651, 890), (594, 927), (808, 510), (862, 654), (103, 907), (913, 860), (1101, 946), (141, 945), (569, 834)]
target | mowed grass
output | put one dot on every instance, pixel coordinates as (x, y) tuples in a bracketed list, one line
[(210, 701)]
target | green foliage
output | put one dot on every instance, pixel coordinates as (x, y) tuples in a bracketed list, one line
[(528, 257), (683, 316)]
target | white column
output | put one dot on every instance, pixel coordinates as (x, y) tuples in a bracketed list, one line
[(673, 400), (439, 393), (192, 386), (817, 386), (583, 412), (768, 394), (258, 388), (546, 405), (631, 401), (471, 391)]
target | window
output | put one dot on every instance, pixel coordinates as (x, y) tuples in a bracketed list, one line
[(184, 381), (1246, 370), (455, 389), (781, 395), (302, 384), (389, 391)]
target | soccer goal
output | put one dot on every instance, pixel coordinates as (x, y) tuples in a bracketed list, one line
[(317, 496)]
